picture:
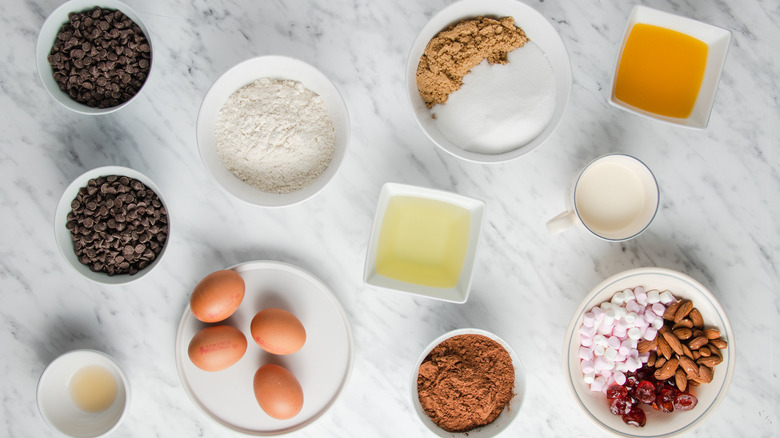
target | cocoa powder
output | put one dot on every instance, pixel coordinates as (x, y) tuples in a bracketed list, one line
[(453, 52), (465, 382)]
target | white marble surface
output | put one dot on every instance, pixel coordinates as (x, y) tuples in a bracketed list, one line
[(720, 192)]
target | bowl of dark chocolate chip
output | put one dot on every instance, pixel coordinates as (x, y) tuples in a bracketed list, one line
[(94, 57), (112, 225), (467, 382)]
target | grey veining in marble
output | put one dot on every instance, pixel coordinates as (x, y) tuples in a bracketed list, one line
[(720, 200)]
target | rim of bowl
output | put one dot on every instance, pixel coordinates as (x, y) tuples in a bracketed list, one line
[(412, 92), (65, 245), (341, 147), (513, 408), (87, 353), (42, 48)]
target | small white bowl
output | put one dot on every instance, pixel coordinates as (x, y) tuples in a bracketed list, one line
[(63, 237), (57, 406), (48, 35), (537, 28), (594, 403), (460, 292), (510, 411), (717, 41), (276, 67)]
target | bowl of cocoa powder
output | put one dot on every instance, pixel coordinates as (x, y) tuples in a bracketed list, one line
[(94, 57), (467, 382), (112, 225)]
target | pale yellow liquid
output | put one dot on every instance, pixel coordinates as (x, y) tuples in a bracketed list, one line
[(423, 241), (610, 198), (93, 388)]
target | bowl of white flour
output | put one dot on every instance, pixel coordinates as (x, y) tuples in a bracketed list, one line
[(272, 131)]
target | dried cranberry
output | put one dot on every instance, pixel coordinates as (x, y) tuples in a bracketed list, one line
[(631, 381), (645, 392), (667, 395), (620, 405), (685, 402), (635, 417), (615, 391)]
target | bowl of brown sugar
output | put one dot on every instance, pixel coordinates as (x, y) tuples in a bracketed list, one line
[(488, 80), (467, 382)]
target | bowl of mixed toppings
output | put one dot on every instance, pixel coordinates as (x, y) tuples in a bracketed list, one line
[(273, 130), (467, 382), (488, 80), (649, 352)]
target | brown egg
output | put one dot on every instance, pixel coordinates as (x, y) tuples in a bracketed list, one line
[(278, 392), (217, 296), (217, 347), (278, 331)]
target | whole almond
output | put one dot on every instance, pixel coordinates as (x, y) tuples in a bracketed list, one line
[(663, 347), (697, 343), (696, 333), (696, 354), (672, 310), (667, 370), (683, 311), (689, 366), (711, 333), (672, 340), (685, 323), (720, 343), (705, 351), (687, 351), (705, 374), (680, 379), (651, 359), (715, 350), (659, 362), (644, 346), (696, 318), (692, 382), (710, 361), (682, 333)]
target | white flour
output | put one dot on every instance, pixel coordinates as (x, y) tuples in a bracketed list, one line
[(275, 135)]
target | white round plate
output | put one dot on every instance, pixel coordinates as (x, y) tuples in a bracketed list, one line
[(658, 424), (322, 366)]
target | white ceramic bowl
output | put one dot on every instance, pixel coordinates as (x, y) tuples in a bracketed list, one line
[(510, 411), (456, 294), (717, 41), (659, 424), (57, 406), (48, 35), (63, 237), (537, 28), (276, 67)]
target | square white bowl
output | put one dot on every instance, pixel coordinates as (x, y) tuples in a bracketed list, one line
[(717, 41), (460, 292)]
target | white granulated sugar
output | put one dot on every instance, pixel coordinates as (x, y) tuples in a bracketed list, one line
[(500, 107), (275, 135)]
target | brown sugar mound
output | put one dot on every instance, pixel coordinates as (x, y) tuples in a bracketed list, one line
[(451, 54), (465, 382)]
